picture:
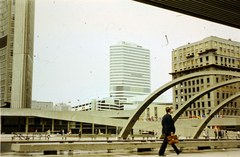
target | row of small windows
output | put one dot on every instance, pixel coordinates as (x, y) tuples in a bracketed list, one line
[(141, 59), (200, 46), (218, 60), (131, 84), (129, 81), (136, 54), (202, 112), (184, 57), (124, 78), (129, 70), (120, 64), (130, 61), (201, 81), (185, 98), (202, 104), (197, 105), (114, 74), (189, 90), (193, 82), (128, 51), (127, 67)]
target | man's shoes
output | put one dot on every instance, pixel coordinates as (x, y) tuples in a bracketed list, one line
[(179, 152)]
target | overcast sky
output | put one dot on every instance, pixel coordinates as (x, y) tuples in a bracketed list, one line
[(73, 38)]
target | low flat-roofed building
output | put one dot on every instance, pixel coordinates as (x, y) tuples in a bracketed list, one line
[(42, 105), (100, 105), (62, 107)]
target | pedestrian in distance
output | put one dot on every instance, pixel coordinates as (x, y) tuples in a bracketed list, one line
[(152, 134), (79, 133), (168, 129), (215, 133), (204, 134), (48, 133)]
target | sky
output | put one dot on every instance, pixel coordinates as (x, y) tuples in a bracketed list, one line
[(73, 37)]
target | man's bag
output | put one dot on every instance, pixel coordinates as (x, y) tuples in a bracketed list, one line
[(172, 139)]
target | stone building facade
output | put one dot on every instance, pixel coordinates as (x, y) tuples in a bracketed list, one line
[(211, 53)]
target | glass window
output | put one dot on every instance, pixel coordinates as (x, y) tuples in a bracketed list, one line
[(196, 60)]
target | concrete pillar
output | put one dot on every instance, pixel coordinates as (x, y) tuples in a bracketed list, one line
[(43, 123), (81, 126), (92, 128), (52, 125), (106, 129), (68, 127), (26, 127), (61, 152)]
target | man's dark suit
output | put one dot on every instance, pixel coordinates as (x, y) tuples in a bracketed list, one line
[(167, 128)]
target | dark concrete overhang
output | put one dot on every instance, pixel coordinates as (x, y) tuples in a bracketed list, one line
[(222, 12)]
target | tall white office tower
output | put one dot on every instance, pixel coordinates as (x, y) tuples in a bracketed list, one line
[(129, 70), (16, 52)]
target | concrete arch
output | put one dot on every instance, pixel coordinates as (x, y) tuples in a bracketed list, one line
[(132, 120), (209, 117), (199, 95)]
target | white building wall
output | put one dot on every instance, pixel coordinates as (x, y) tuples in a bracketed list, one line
[(62, 107), (42, 105), (129, 70)]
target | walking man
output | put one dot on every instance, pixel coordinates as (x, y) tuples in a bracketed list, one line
[(168, 128)]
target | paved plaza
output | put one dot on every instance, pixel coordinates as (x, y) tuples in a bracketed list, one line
[(154, 153), (230, 152)]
